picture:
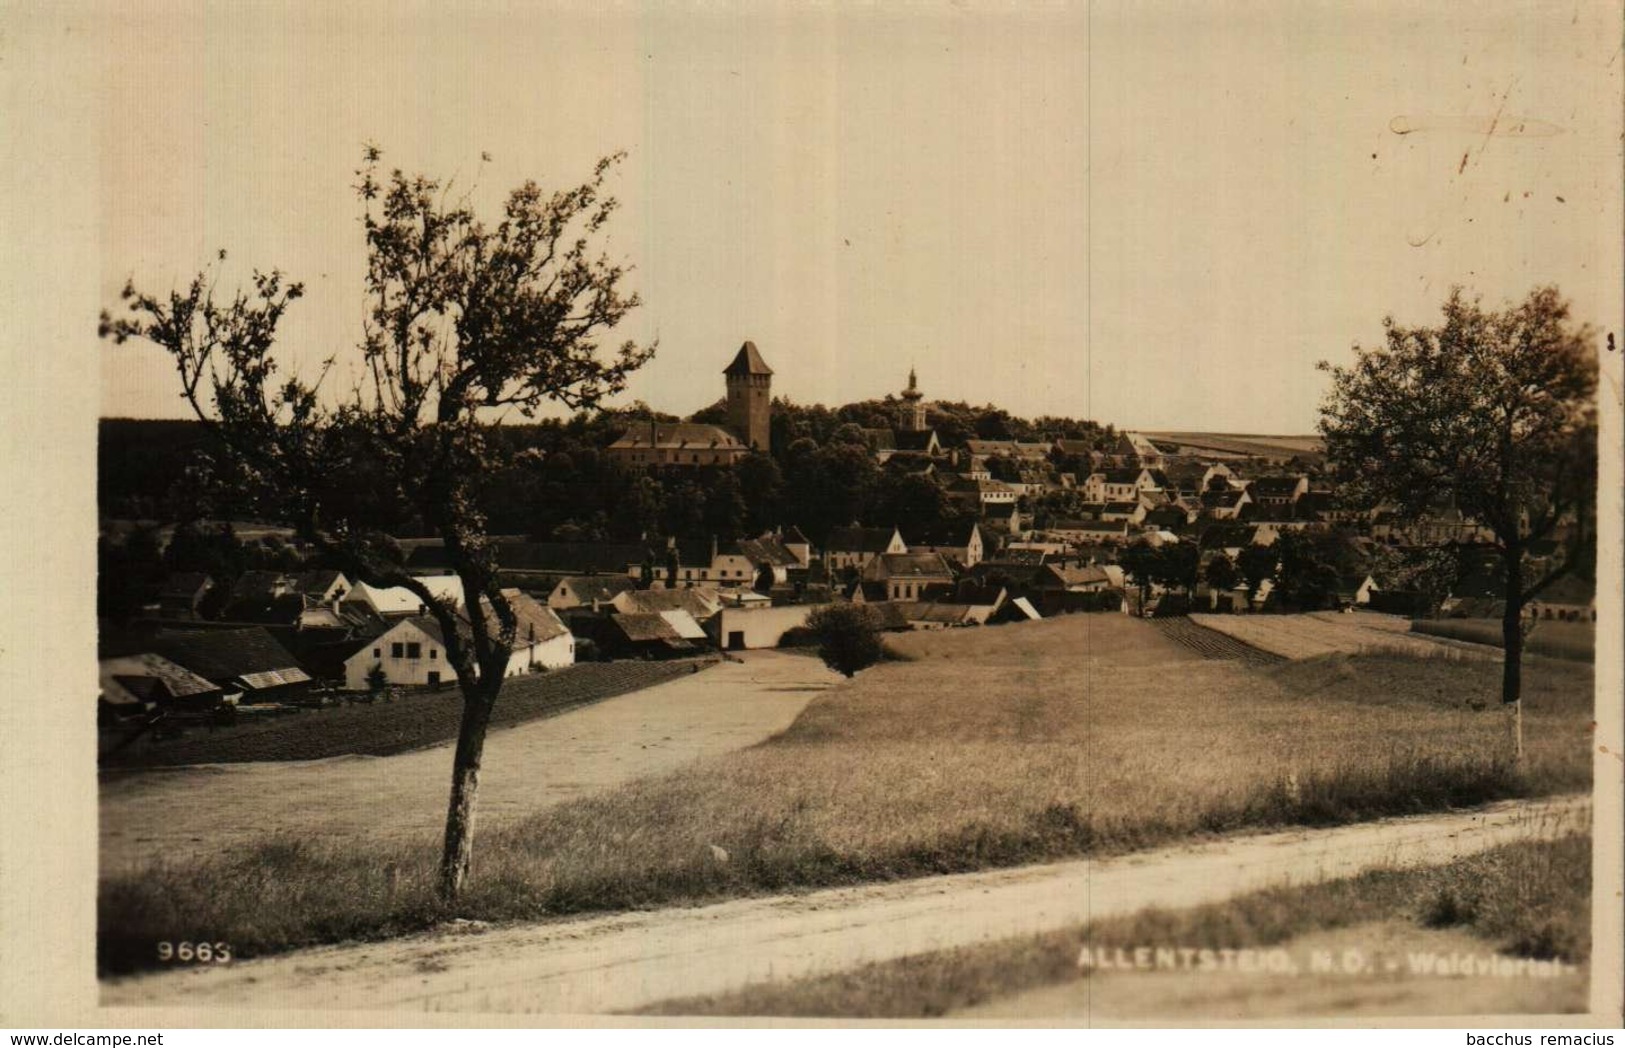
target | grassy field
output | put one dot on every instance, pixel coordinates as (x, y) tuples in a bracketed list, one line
[(1558, 640), (1326, 633), (1087, 734), (417, 719), (1524, 900)]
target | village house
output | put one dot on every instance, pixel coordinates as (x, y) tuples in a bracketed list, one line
[(1117, 485), (649, 635), (1232, 538), (855, 547), (587, 591), (398, 602), (1226, 504), (1355, 590), (182, 593), (1277, 496), (413, 651), (1132, 511), (1570, 599), (699, 602), (135, 684), (1091, 578), (980, 493), (1080, 532), (248, 664), (909, 576), (958, 541)]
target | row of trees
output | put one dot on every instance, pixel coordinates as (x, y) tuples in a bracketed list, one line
[(550, 479)]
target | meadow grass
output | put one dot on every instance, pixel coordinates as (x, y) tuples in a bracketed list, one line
[(1552, 638), (987, 747), (1529, 899)]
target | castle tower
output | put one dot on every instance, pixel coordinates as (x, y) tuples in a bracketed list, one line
[(750, 397), (911, 416)]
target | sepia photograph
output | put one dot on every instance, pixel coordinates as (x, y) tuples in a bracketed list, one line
[(1061, 513)]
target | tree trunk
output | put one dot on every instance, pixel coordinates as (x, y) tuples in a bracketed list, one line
[(1512, 629), (1512, 643), (458, 853)]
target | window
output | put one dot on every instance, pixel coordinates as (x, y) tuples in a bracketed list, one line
[(378, 653), (397, 650), (433, 654), (414, 650)]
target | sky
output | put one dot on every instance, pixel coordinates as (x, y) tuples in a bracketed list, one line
[(1157, 215)]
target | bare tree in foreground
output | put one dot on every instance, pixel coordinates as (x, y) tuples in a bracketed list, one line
[(1495, 411), (464, 321)]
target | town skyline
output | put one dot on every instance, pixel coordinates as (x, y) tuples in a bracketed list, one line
[(941, 190)]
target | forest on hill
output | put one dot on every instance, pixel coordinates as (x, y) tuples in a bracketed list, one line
[(555, 483)]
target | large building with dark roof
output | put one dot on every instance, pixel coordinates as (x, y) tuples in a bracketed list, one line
[(750, 411)]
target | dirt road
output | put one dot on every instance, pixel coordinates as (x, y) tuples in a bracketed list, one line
[(180, 813), (620, 962)]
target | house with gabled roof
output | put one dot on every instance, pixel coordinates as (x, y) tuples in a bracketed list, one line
[(182, 593), (651, 634), (909, 576), (798, 544), (1117, 485), (856, 546), (960, 541), (413, 651), (980, 493), (1569, 598), (248, 662), (699, 602), (398, 602), (132, 684), (1226, 504), (587, 591), (1276, 496), (1079, 532), (676, 444)]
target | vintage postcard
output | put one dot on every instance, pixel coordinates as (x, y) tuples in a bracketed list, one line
[(1075, 513)]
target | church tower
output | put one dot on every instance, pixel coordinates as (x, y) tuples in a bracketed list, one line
[(911, 416), (750, 397)]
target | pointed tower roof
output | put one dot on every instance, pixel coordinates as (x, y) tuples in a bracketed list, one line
[(748, 362), (913, 390)]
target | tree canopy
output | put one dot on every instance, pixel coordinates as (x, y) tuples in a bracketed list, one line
[(1493, 413), (465, 321)]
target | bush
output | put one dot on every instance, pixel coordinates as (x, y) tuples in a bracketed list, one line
[(848, 637)]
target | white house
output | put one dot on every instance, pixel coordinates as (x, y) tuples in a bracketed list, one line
[(400, 602), (1117, 485), (413, 651)]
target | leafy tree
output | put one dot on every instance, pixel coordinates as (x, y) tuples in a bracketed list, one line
[(725, 508), (1002, 467), (1306, 577), (1221, 574), (909, 500), (848, 637), (1177, 565), (1256, 563), (1142, 564), (1494, 410), (761, 485), (464, 321)]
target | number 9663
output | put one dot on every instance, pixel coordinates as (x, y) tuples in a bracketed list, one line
[(195, 952)]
